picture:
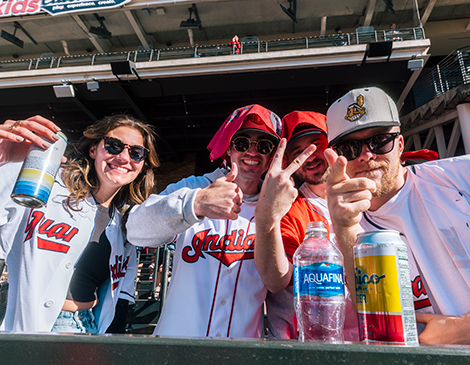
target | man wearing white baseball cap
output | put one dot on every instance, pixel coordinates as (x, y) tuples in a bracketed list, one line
[(429, 204)]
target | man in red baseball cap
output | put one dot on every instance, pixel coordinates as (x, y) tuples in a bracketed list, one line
[(283, 212), (215, 288)]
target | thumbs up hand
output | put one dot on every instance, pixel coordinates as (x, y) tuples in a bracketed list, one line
[(347, 198), (220, 200)]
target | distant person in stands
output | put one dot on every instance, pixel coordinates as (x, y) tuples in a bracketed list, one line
[(392, 33), (196, 50), (235, 44), (71, 268), (339, 37)]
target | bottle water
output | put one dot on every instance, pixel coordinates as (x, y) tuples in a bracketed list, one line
[(319, 299)]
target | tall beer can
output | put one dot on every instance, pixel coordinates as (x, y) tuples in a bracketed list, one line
[(37, 175), (384, 296)]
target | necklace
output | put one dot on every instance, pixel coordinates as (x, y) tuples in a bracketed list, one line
[(312, 206)]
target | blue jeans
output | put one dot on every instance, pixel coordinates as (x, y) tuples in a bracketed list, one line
[(75, 322)]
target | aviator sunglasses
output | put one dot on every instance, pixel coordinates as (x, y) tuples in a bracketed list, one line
[(115, 146), (263, 146), (379, 144)]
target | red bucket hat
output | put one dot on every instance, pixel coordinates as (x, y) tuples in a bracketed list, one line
[(298, 124), (250, 117)]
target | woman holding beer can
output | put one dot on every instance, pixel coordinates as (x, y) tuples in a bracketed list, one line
[(70, 266)]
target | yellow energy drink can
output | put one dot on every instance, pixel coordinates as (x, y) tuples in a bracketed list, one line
[(384, 295)]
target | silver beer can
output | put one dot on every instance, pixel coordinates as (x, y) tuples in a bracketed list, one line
[(36, 178)]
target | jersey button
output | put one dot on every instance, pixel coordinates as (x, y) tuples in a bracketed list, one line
[(223, 302), (68, 265), (229, 271), (49, 304), (217, 335)]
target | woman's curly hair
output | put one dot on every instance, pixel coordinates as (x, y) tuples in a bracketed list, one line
[(81, 179)]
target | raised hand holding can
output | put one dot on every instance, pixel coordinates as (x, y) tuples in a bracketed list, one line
[(37, 175)]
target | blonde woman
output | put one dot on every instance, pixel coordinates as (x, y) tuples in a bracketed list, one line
[(70, 266)]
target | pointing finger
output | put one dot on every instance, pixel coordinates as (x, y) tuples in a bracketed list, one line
[(300, 159), (279, 155), (331, 156), (338, 167)]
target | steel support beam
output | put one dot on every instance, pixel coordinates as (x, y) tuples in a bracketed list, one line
[(427, 11), (90, 36), (369, 12), (138, 29)]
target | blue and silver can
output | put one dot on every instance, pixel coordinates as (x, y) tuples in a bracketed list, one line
[(37, 175)]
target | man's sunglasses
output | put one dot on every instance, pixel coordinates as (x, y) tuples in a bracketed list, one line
[(115, 146), (263, 146), (379, 144)]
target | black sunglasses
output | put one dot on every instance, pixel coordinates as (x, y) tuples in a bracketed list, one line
[(115, 146), (379, 144), (263, 146)]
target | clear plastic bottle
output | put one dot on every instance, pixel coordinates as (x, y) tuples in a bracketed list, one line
[(319, 299)]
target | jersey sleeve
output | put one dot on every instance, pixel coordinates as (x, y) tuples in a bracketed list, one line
[(453, 171), (162, 217), (292, 234)]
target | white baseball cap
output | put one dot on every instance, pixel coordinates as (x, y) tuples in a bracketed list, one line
[(360, 109)]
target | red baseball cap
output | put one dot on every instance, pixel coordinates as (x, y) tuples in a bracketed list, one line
[(298, 124), (251, 117)]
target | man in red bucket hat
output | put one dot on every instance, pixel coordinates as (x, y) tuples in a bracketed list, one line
[(283, 212), (215, 289)]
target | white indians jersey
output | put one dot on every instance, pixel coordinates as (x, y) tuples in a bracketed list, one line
[(432, 212), (42, 247), (215, 288)]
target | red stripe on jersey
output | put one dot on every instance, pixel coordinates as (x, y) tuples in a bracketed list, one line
[(52, 246), (241, 256), (233, 300), (422, 304), (115, 285), (213, 300), (236, 284)]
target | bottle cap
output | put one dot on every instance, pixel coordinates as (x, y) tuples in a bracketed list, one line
[(316, 227)]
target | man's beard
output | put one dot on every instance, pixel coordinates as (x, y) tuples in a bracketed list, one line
[(314, 180), (388, 180)]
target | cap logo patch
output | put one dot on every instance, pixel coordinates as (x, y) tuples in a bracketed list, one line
[(254, 118), (356, 110)]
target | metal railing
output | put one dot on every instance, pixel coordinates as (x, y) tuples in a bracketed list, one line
[(452, 71), (147, 55), (151, 285)]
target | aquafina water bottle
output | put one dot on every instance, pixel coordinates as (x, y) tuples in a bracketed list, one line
[(319, 299)]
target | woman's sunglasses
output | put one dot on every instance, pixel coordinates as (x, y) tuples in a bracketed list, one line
[(263, 146), (379, 144), (115, 146)]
